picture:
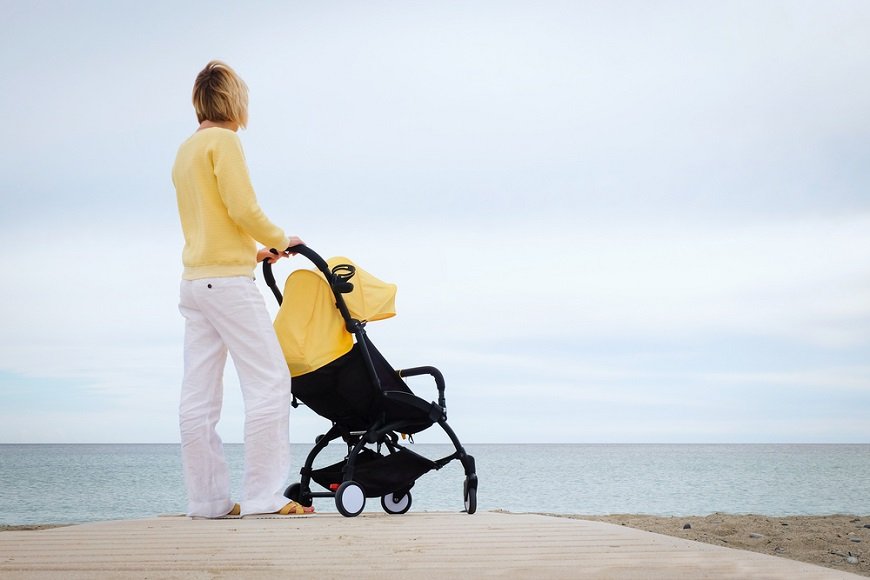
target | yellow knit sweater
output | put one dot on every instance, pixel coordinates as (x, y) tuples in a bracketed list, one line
[(220, 216)]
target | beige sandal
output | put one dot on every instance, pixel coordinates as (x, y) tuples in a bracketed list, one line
[(291, 509), (294, 509), (233, 514)]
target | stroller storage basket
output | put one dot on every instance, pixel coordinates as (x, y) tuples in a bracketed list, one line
[(378, 474)]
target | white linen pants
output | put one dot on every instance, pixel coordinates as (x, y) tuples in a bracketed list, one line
[(224, 314)]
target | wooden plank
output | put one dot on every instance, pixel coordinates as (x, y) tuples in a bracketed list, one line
[(414, 545)]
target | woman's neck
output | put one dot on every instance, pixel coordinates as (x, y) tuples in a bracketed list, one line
[(232, 126)]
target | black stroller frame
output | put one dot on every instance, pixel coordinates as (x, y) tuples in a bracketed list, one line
[(365, 472)]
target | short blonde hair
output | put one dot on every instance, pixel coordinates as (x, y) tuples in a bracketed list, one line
[(220, 95)]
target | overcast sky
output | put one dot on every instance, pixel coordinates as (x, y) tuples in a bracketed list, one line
[(608, 221)]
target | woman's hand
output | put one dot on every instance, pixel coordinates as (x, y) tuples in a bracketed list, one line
[(274, 255), (294, 241), (266, 254)]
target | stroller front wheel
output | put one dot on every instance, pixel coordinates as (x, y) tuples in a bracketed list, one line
[(350, 499), (396, 504), (470, 494)]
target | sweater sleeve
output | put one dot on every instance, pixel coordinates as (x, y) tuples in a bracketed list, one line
[(237, 193)]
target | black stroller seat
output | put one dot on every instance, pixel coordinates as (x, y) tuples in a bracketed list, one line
[(340, 375)]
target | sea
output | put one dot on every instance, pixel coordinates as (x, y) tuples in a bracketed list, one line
[(80, 483)]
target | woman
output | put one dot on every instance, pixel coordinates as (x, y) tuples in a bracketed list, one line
[(224, 311)]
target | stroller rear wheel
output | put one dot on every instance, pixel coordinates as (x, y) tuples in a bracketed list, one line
[(294, 493), (350, 499), (394, 503)]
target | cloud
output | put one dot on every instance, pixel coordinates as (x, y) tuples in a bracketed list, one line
[(590, 210), (802, 280)]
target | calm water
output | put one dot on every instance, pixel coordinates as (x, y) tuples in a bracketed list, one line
[(78, 483)]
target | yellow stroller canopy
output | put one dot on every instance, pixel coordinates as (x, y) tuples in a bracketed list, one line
[(309, 326)]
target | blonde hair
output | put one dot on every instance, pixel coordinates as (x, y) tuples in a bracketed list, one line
[(220, 95)]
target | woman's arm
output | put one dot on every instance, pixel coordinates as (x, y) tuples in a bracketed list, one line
[(237, 193)]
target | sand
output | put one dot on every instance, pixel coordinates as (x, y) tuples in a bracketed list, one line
[(30, 527), (841, 542)]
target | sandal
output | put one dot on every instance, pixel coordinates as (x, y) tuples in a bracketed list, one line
[(291, 509), (233, 514), (294, 509)]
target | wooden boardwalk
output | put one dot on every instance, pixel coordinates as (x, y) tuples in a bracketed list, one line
[(376, 545)]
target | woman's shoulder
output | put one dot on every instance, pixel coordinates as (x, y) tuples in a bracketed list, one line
[(213, 138)]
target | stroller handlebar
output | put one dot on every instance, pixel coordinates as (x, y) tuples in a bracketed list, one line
[(321, 265), (313, 256)]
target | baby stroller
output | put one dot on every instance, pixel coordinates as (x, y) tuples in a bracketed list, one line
[(340, 375)]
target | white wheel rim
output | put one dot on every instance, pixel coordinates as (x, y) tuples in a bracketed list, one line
[(396, 506), (352, 499)]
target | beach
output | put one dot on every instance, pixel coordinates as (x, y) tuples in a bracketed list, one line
[(837, 541)]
